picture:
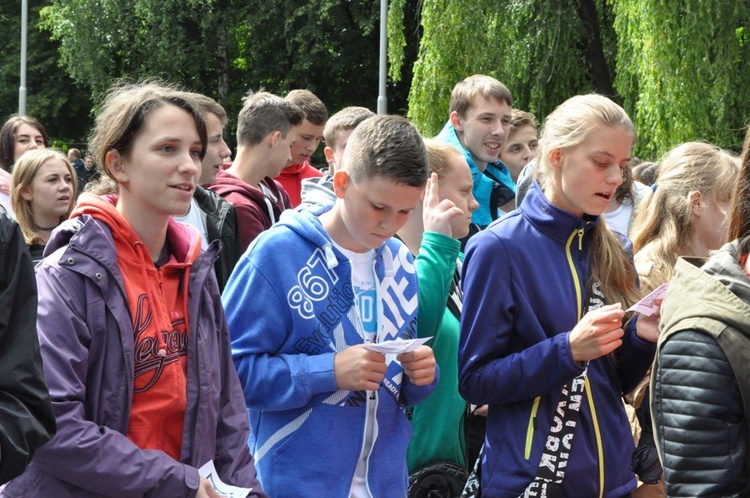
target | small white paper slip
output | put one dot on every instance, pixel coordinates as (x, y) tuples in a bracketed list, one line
[(225, 490), (397, 346), (647, 306)]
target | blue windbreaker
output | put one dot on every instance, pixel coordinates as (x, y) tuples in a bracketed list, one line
[(290, 309), (524, 279)]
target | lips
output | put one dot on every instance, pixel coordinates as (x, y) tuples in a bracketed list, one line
[(186, 187), (605, 195)]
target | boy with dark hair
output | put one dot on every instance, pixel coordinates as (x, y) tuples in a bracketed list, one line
[(336, 134), (265, 133), (480, 116), (328, 415), (309, 134)]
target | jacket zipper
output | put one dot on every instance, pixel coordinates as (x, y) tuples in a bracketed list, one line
[(579, 300), (531, 428)]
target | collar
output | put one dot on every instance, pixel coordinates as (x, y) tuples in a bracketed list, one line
[(554, 222)]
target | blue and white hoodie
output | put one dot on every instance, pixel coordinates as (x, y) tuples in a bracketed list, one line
[(290, 308)]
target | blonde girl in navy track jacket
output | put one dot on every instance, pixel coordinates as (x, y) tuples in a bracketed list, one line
[(545, 289)]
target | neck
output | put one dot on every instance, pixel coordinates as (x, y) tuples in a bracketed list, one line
[(411, 232), (45, 223), (152, 230), (248, 166), (696, 247), (334, 225)]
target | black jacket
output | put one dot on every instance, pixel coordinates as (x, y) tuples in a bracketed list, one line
[(221, 224), (26, 417)]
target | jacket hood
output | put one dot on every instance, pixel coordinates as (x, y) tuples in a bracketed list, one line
[(718, 291), (226, 183), (184, 240), (305, 223), (317, 190)]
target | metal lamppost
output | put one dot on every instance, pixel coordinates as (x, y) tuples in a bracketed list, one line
[(382, 102), (22, 88)]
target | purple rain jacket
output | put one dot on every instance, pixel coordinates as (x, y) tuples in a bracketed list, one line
[(86, 337)]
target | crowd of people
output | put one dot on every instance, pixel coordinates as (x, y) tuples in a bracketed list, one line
[(448, 316)]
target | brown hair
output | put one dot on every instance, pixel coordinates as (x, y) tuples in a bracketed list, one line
[(263, 113), (126, 110), (346, 119), (313, 108), (8, 138), (477, 85), (388, 146)]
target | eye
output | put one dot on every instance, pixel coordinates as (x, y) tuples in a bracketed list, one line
[(166, 148), (515, 149), (485, 120), (533, 146), (506, 122), (196, 153)]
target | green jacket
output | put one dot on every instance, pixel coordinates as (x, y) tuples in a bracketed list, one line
[(437, 422)]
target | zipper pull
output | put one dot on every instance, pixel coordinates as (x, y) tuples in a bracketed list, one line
[(580, 244)]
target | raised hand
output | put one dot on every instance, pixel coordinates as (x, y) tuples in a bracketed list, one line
[(437, 214)]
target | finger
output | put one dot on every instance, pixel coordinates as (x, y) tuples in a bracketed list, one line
[(432, 191)]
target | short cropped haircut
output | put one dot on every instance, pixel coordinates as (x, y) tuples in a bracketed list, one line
[(264, 113), (74, 152), (125, 112), (387, 146), (8, 138), (478, 85), (314, 108), (439, 156), (210, 106), (346, 119)]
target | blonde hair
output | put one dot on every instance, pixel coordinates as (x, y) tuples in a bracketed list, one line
[(439, 156), (24, 171), (567, 127), (664, 221)]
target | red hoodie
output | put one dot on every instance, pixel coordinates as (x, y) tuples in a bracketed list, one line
[(256, 209), (157, 299), (291, 179)]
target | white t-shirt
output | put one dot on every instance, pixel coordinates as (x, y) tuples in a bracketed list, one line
[(366, 296), (196, 218)]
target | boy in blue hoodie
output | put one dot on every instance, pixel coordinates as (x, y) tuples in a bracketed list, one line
[(327, 413)]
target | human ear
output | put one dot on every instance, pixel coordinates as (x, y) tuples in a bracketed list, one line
[(456, 121), (341, 180), (115, 165), (555, 158), (695, 198), (26, 194), (275, 137)]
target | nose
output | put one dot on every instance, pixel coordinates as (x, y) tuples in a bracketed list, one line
[(473, 204), (190, 165), (615, 175), (225, 152)]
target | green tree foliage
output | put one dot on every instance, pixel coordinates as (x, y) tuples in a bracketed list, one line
[(679, 67), (683, 69), (543, 51), (224, 48), (52, 97)]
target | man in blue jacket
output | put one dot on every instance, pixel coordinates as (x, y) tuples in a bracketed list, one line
[(480, 116), (328, 413)]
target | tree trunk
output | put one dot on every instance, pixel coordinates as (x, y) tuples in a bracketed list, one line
[(595, 50)]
